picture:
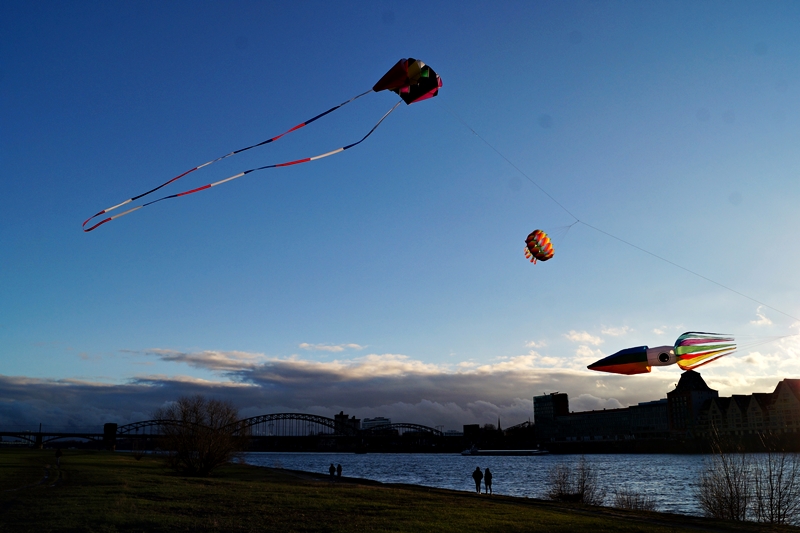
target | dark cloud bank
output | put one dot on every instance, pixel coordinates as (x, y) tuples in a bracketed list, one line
[(394, 386)]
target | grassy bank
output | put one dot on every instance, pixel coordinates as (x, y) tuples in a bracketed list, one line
[(99, 491)]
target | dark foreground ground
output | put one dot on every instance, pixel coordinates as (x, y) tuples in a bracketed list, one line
[(104, 491)]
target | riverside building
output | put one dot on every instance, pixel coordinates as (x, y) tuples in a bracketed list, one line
[(686, 420), (378, 421)]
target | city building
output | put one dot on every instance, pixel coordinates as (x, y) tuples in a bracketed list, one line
[(692, 416), (655, 420), (369, 423), (776, 413), (548, 406), (346, 424), (685, 402)]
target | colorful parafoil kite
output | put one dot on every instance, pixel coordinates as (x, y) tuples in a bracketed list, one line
[(691, 350), (538, 246), (410, 78)]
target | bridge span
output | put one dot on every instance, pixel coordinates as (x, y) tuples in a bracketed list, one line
[(263, 427)]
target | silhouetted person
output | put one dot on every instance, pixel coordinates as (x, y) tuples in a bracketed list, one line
[(58, 457), (338, 470), (487, 479), (332, 470), (477, 475)]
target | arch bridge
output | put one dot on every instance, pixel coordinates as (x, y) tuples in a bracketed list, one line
[(401, 428), (146, 428), (39, 438), (294, 425), (270, 425)]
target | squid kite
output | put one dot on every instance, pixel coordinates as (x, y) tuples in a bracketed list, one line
[(538, 246), (410, 78), (691, 350)]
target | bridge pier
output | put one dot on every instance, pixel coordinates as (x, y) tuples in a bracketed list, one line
[(110, 436)]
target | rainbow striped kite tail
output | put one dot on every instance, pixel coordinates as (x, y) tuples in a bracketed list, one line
[(697, 348)]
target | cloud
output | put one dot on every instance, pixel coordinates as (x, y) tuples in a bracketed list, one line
[(615, 332), (394, 385), (160, 379), (583, 337), (762, 318), (398, 386), (585, 355), (587, 402), (535, 344), (210, 359), (330, 347), (662, 330)]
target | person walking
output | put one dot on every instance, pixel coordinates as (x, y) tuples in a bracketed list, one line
[(339, 470), (332, 470), (58, 457), (477, 475), (487, 480)]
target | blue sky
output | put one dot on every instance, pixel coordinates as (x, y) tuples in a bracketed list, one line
[(390, 280)]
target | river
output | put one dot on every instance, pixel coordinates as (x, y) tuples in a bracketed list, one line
[(669, 479)]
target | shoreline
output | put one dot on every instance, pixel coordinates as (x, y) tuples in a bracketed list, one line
[(656, 518)]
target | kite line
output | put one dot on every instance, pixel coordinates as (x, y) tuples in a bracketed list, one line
[(595, 228)]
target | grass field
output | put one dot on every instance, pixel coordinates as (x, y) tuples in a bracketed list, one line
[(105, 491)]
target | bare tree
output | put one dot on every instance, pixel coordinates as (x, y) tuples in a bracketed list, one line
[(575, 483), (725, 486), (763, 487), (203, 434), (627, 498), (776, 488)]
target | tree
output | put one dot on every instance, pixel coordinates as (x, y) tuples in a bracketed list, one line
[(578, 484), (628, 498), (725, 486), (764, 487), (200, 434), (776, 486)]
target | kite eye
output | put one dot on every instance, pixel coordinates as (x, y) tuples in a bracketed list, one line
[(663, 357)]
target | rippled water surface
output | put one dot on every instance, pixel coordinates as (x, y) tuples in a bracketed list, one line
[(668, 478)]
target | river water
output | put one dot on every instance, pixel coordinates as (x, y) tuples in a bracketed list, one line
[(669, 479)]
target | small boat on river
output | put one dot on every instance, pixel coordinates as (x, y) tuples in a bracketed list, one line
[(476, 451)]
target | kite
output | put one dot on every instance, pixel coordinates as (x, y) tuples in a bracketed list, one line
[(538, 246), (410, 78), (691, 350)]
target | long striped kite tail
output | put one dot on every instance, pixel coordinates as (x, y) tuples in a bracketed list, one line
[(239, 151), (695, 348), (239, 175)]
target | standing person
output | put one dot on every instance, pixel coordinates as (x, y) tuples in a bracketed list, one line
[(58, 457), (339, 470), (477, 475), (487, 479), (332, 470)]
